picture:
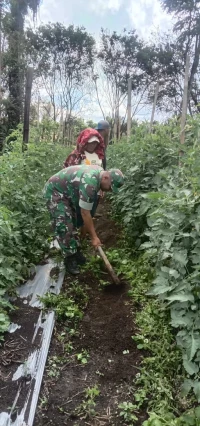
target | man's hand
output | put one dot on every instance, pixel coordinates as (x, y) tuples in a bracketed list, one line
[(96, 242)]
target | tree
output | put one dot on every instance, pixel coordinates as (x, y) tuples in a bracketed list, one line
[(118, 56), (14, 60), (63, 58), (187, 29)]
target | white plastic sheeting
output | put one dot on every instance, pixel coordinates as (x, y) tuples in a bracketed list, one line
[(31, 371), (41, 284)]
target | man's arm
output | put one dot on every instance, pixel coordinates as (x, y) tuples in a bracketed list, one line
[(89, 225)]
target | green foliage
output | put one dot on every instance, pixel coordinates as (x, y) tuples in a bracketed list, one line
[(160, 374), (159, 206), (69, 51), (141, 160), (64, 307), (24, 219), (127, 412), (68, 307), (87, 408), (190, 418), (83, 357)]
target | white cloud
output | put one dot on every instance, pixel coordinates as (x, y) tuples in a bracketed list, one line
[(147, 16), (56, 11), (101, 6)]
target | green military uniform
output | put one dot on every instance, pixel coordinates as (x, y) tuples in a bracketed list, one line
[(73, 187), (65, 191)]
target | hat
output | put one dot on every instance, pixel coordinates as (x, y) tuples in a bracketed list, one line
[(103, 125), (93, 139), (117, 179)]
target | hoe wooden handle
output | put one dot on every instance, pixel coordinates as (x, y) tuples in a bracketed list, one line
[(108, 265)]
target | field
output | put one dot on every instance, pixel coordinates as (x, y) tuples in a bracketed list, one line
[(127, 355)]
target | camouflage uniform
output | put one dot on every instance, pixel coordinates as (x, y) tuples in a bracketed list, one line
[(72, 187)]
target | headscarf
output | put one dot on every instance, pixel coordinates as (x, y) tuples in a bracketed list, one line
[(78, 154)]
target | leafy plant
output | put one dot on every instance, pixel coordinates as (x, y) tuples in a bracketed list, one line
[(87, 407), (159, 207), (53, 369), (128, 412), (190, 418), (65, 307), (83, 357), (24, 219)]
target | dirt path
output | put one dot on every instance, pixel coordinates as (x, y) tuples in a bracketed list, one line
[(105, 346)]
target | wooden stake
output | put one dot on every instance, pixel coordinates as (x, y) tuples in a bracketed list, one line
[(129, 109), (29, 81), (185, 100), (154, 106)]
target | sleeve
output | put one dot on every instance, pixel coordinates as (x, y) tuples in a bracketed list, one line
[(72, 160), (89, 186)]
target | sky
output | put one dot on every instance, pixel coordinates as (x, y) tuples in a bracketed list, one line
[(145, 16), (142, 15)]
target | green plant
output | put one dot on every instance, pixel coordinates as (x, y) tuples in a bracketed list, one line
[(94, 265), (83, 357), (79, 293), (191, 418), (53, 369), (160, 374), (159, 207), (87, 408), (103, 284), (64, 306), (24, 220), (128, 412)]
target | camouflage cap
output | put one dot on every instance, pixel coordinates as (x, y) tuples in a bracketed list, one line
[(117, 179)]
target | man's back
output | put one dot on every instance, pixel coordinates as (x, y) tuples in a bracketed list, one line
[(75, 183)]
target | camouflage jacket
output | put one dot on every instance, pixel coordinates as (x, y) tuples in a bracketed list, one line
[(79, 184)]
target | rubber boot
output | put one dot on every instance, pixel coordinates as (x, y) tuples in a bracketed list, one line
[(80, 258), (71, 264)]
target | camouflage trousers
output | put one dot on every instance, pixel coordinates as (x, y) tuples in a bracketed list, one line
[(64, 223)]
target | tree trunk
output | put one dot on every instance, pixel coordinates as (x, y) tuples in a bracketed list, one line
[(194, 65), (185, 101), (15, 65)]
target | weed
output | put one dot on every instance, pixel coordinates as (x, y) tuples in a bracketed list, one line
[(99, 373), (87, 408), (94, 265), (191, 418), (64, 306), (103, 284), (43, 403), (83, 357), (78, 293), (53, 369), (128, 412)]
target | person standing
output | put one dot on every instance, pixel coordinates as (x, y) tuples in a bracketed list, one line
[(90, 151), (103, 128)]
